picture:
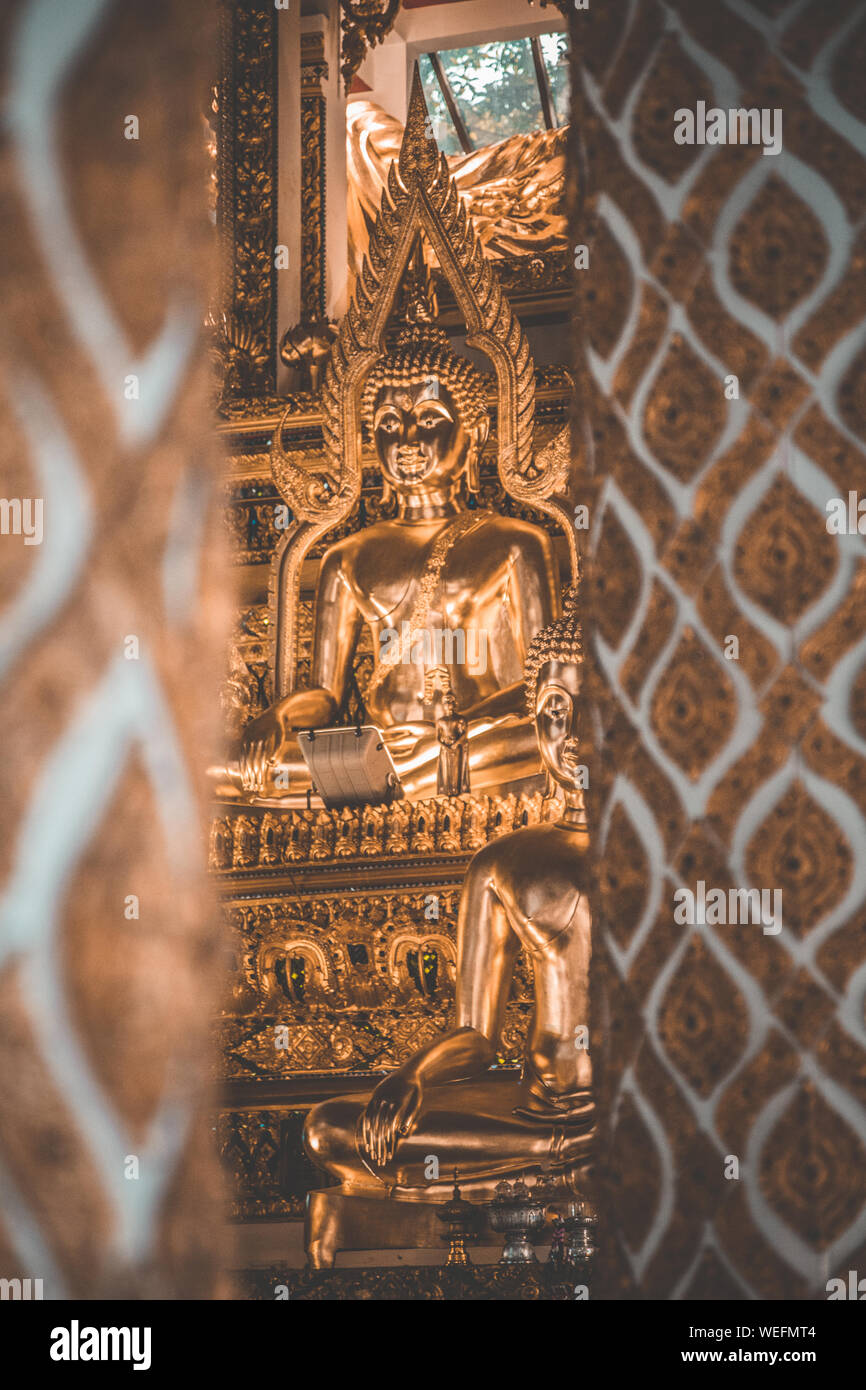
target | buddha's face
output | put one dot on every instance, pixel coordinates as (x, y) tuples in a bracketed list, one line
[(420, 436), (556, 708)]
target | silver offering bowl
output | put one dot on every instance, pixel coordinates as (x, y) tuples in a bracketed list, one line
[(574, 1236), (518, 1214)]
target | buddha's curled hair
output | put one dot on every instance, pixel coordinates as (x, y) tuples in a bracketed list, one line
[(559, 641), (423, 351)]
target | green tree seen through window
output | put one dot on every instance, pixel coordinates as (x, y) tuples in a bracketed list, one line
[(496, 89)]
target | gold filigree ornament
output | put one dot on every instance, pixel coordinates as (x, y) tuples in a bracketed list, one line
[(364, 24), (420, 199)]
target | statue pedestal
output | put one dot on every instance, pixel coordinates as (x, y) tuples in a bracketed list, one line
[(355, 1222)]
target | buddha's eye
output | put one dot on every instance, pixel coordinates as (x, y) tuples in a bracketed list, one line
[(389, 424), (428, 422)]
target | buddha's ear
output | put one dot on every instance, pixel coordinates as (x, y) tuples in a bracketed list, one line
[(473, 467), (478, 436)]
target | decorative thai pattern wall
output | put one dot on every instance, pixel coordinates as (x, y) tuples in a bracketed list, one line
[(110, 640), (736, 763)]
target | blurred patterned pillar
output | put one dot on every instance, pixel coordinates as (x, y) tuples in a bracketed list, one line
[(108, 633), (739, 763)]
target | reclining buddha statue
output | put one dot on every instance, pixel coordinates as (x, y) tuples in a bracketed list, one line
[(526, 891), (444, 589)]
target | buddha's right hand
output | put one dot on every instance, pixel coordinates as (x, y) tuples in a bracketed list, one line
[(262, 740), (391, 1112)]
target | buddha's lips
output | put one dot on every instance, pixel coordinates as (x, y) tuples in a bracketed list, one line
[(411, 463)]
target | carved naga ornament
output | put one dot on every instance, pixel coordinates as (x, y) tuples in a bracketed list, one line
[(420, 198)]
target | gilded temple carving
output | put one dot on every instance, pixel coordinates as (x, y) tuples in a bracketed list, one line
[(340, 985), (336, 984), (440, 825)]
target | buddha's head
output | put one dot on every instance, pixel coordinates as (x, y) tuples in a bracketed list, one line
[(426, 410), (553, 680)]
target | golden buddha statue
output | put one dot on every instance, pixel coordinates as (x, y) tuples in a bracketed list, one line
[(526, 890), (440, 585)]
